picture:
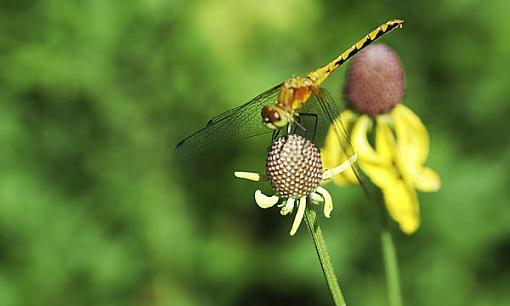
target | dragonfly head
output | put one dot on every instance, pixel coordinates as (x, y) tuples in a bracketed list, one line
[(274, 117)]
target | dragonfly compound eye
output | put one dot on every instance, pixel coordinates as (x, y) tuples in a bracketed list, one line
[(294, 166), (273, 117)]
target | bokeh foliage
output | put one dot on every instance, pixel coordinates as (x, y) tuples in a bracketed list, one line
[(95, 94)]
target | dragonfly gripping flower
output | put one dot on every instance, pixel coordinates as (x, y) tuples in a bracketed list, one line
[(294, 170), (391, 141)]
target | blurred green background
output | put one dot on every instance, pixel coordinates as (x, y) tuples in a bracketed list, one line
[(95, 94)]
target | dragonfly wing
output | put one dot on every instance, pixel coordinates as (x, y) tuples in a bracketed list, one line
[(240, 122), (322, 104)]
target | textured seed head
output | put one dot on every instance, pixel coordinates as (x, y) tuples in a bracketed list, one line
[(294, 166), (375, 80)]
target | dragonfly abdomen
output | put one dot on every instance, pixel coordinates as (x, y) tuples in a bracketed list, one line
[(321, 74)]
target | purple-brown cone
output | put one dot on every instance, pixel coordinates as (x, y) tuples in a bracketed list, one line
[(294, 166), (375, 81)]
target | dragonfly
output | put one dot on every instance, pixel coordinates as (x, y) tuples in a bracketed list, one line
[(282, 106)]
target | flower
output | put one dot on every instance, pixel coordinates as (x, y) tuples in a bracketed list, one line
[(393, 157), (294, 170)]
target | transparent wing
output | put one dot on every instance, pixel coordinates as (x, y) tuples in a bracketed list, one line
[(322, 104), (243, 121)]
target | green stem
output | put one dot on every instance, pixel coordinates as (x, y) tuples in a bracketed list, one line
[(324, 258), (391, 268)]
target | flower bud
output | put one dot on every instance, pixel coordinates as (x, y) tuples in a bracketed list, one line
[(375, 81)]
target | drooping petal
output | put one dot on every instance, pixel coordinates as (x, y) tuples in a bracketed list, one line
[(333, 152), (424, 179), (380, 170), (348, 177), (360, 141), (402, 204), (328, 201), (384, 139), (347, 116), (412, 136), (288, 207), (251, 176), (316, 198), (299, 216), (413, 144), (264, 201), (328, 174)]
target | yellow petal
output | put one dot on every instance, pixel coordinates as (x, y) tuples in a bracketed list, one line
[(347, 116), (379, 170), (333, 152), (413, 144), (402, 204), (330, 173), (252, 176), (425, 179), (360, 142), (412, 136), (380, 174), (346, 178), (384, 140), (299, 216), (328, 201), (264, 201), (288, 207)]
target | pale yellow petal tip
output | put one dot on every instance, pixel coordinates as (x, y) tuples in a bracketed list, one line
[(288, 207), (315, 198), (409, 226), (299, 216), (252, 176), (434, 186), (438, 184), (426, 180), (263, 201), (328, 201)]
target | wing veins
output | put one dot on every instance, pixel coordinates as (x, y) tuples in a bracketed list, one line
[(239, 122)]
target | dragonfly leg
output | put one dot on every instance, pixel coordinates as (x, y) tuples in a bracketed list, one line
[(289, 128), (275, 135), (300, 126), (315, 121)]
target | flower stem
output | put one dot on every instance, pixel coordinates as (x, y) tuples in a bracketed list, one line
[(391, 268), (324, 258)]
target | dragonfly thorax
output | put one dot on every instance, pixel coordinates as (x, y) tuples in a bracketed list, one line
[(292, 96), (295, 92)]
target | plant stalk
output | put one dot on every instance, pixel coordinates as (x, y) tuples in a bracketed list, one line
[(391, 268), (324, 258)]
